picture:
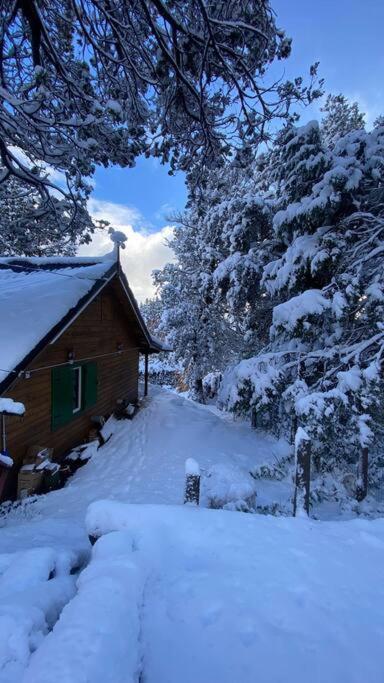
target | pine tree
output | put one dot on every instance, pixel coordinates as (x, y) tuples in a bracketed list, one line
[(220, 244), (341, 118), (323, 365), (151, 311), (195, 328)]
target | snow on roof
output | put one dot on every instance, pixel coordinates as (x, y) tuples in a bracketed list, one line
[(161, 344), (35, 294)]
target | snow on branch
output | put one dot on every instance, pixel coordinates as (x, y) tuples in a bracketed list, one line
[(89, 83)]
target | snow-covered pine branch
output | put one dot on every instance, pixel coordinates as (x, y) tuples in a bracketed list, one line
[(99, 82)]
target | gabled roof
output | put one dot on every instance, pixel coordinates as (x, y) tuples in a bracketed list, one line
[(40, 298)]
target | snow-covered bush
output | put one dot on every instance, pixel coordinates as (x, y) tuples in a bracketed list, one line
[(277, 470), (211, 384), (229, 487)]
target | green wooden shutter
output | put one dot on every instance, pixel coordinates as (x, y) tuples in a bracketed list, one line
[(90, 384), (62, 396)]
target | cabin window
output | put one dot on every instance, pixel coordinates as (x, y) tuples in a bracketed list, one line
[(74, 390)]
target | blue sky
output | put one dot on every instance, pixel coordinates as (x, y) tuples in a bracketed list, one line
[(345, 36)]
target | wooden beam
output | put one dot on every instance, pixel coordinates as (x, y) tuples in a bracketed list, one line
[(146, 375)]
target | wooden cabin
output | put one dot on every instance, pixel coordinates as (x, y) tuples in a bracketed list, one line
[(71, 335)]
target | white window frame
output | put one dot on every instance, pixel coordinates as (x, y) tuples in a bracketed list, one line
[(79, 371)]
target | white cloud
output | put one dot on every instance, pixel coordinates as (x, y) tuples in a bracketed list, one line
[(144, 251), (165, 211)]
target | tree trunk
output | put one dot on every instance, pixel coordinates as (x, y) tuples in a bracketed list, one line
[(303, 473), (362, 477), (254, 418), (197, 391), (293, 429)]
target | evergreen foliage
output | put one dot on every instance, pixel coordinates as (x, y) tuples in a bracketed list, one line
[(288, 251), (341, 117)]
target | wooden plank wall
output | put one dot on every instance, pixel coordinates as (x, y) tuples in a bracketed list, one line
[(98, 330)]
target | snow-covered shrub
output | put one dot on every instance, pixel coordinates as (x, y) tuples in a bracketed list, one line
[(229, 487), (211, 384), (277, 470)]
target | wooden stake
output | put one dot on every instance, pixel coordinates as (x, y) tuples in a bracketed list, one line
[(192, 482)]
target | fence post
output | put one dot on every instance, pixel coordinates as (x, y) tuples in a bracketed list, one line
[(192, 482), (362, 475), (303, 472)]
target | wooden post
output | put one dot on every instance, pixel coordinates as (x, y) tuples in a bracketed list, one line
[(362, 476), (146, 375), (303, 472), (192, 482)]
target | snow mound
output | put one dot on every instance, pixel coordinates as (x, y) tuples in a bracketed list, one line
[(192, 467), (189, 594), (229, 487), (34, 587), (97, 637)]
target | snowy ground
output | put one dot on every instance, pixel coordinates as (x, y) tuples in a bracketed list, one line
[(181, 595), (186, 595), (144, 463)]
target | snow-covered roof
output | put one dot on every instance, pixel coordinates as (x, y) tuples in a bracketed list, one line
[(37, 294)]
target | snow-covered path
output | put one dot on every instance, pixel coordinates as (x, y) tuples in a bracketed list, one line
[(177, 594), (144, 463)]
